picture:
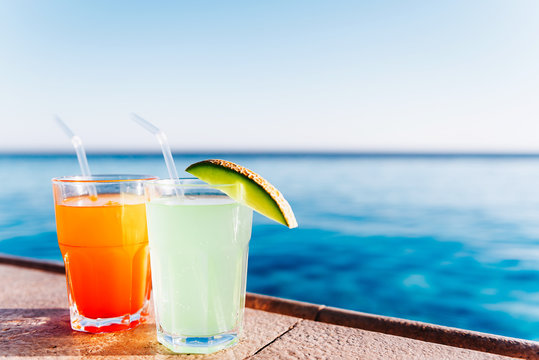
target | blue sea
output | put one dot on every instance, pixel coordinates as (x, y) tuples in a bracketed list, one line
[(450, 240)]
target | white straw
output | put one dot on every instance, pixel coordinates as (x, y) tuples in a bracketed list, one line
[(79, 149), (165, 148)]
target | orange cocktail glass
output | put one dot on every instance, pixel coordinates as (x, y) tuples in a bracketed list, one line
[(102, 234)]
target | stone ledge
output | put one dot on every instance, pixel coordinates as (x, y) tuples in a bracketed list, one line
[(276, 305), (316, 340), (46, 333), (47, 265), (381, 324), (466, 339), (417, 330)]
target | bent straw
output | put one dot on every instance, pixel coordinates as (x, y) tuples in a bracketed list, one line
[(79, 149), (165, 148)]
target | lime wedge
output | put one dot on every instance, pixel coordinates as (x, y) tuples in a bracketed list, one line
[(256, 192)]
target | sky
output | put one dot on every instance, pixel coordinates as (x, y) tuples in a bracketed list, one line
[(433, 76)]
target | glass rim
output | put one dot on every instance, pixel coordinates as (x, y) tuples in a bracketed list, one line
[(104, 178), (199, 183)]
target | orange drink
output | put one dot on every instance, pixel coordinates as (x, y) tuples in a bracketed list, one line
[(102, 234)]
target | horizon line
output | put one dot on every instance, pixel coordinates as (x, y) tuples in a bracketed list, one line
[(290, 153)]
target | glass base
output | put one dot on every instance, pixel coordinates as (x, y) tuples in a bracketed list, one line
[(197, 344), (101, 325)]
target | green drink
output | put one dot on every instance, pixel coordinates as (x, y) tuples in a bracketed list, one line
[(198, 249)]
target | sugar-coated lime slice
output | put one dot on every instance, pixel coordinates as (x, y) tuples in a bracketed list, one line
[(256, 192)]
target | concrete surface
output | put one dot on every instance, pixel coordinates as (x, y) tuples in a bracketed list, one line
[(315, 340), (34, 322)]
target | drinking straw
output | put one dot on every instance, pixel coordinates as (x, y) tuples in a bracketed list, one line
[(165, 148), (77, 144), (79, 149)]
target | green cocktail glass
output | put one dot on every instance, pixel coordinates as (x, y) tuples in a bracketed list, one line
[(199, 244)]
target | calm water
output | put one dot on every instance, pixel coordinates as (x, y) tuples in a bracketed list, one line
[(451, 241)]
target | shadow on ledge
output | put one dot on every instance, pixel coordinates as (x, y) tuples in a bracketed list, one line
[(47, 332)]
